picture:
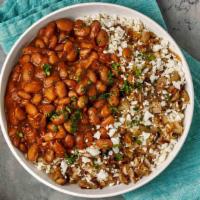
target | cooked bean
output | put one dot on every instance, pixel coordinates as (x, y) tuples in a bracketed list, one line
[(93, 118), (23, 95), (47, 108), (70, 83), (50, 29), (80, 29), (19, 114), (103, 72), (80, 141), (107, 121), (63, 101), (68, 126), (105, 111), (72, 55), (100, 87), (72, 93), (37, 98), (104, 133), (88, 136), (89, 60), (102, 38), (27, 72), (39, 43), (185, 96), (86, 44), (31, 109), (53, 42), (104, 144), (62, 67), (83, 53), (69, 141), (49, 81), (95, 28), (58, 149), (32, 87), (81, 87), (127, 53), (60, 89), (49, 155), (49, 136), (99, 103), (68, 46), (57, 120), (60, 134), (25, 59), (82, 101), (22, 147), (32, 154), (16, 141), (145, 36), (113, 100), (65, 24), (91, 91), (49, 93), (37, 59)]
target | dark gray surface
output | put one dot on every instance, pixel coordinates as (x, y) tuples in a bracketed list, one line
[(182, 18)]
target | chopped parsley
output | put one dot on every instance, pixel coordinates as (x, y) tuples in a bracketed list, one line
[(55, 128), (75, 117), (68, 109), (149, 56), (20, 134), (138, 72), (70, 159), (93, 97), (127, 87), (118, 157), (110, 78), (167, 97), (104, 95), (47, 69), (138, 85), (138, 141), (114, 109), (115, 66)]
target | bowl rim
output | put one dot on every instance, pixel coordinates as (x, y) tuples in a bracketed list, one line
[(115, 193)]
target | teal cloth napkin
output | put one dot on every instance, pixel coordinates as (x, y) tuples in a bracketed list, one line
[(181, 180)]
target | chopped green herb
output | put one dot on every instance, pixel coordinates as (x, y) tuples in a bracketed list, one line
[(138, 141), (138, 72), (126, 87), (74, 98), (75, 117), (136, 108), (110, 78), (118, 157), (93, 97), (138, 85), (149, 56), (20, 134), (70, 159), (115, 66), (89, 82), (55, 128), (68, 109), (167, 97), (114, 110), (47, 69), (104, 96), (117, 145)]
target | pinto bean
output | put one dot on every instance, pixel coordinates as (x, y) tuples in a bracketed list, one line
[(69, 141), (19, 114), (83, 53), (27, 71), (145, 36), (91, 92), (88, 136), (37, 98), (80, 141), (86, 63), (99, 103), (93, 117), (49, 155), (25, 59), (49, 136), (80, 29), (50, 94), (71, 83), (104, 144), (105, 111), (103, 72), (62, 67), (31, 109), (72, 55), (82, 101), (49, 81), (58, 149), (113, 100), (32, 87), (53, 58), (100, 87), (36, 59), (65, 24), (107, 121), (60, 134), (104, 133), (86, 44), (102, 38), (32, 154), (91, 75), (50, 29), (39, 43), (23, 95), (53, 42), (63, 101), (46, 108), (60, 89), (57, 120), (127, 53), (95, 28), (68, 46)]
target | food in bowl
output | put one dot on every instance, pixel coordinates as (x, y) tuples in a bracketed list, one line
[(96, 101)]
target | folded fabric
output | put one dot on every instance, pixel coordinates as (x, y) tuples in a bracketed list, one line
[(181, 180)]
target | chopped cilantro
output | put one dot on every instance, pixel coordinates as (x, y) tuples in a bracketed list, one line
[(167, 97), (20, 134), (68, 109), (126, 87), (104, 95), (75, 117), (47, 69), (114, 110), (55, 128), (118, 157), (70, 159), (115, 66), (74, 98), (138, 85), (110, 78), (138, 72), (89, 82), (93, 97), (138, 141), (149, 56), (136, 108)]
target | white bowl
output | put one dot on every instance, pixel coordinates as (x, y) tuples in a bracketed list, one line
[(75, 11)]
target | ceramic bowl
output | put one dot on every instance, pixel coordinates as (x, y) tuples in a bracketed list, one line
[(75, 11)]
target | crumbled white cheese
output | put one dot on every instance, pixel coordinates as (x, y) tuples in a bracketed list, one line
[(93, 151), (97, 135), (102, 175), (85, 159), (63, 167)]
